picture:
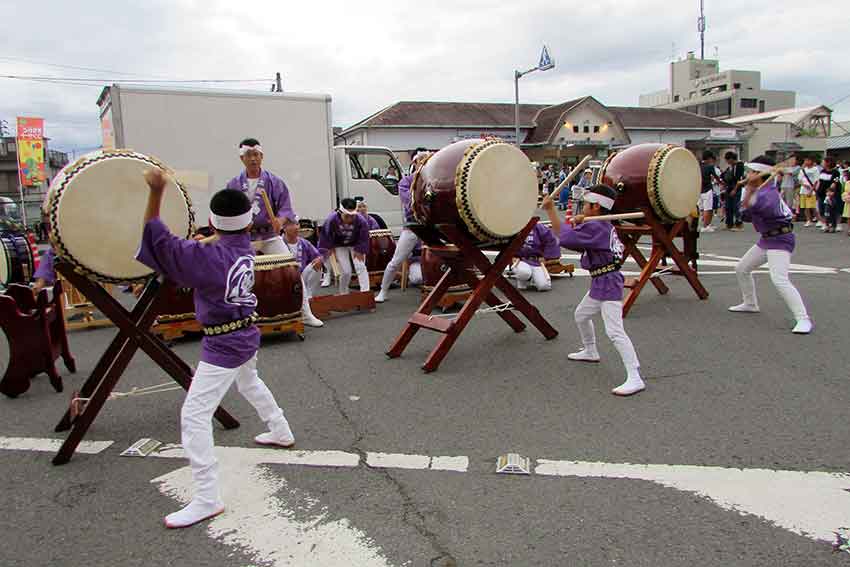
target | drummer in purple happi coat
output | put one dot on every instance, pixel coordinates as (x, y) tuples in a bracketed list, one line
[(265, 233), (363, 211), (345, 234), (772, 218), (540, 244), (222, 275), (310, 261), (602, 253), (45, 275)]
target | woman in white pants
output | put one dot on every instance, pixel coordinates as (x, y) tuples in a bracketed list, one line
[(772, 218), (310, 262), (346, 235), (407, 241)]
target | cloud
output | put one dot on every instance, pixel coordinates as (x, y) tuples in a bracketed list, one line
[(368, 55)]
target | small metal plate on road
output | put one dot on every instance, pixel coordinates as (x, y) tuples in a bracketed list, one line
[(513, 463), (142, 448)]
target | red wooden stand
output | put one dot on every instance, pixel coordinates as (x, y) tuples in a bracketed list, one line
[(35, 328), (462, 258), (133, 334), (662, 246)]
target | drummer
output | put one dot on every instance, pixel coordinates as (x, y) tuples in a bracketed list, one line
[(311, 268), (45, 275), (265, 234), (540, 244), (414, 266), (363, 211), (407, 240), (345, 234)]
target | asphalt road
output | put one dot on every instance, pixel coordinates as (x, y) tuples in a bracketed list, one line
[(724, 390)]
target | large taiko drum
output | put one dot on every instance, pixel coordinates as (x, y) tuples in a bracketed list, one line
[(16, 260), (277, 285), (486, 187), (96, 206), (381, 250), (663, 178)]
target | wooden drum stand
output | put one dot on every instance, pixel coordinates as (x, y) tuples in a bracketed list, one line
[(462, 255)]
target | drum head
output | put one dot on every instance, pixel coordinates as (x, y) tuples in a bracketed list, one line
[(674, 182), (5, 352), (496, 190), (266, 262), (5, 264), (96, 211)]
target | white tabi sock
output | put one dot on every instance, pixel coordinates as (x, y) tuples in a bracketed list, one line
[(196, 511), (587, 354), (633, 384)]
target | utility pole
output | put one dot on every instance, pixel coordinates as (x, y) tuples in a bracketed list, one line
[(545, 63), (278, 83), (701, 29)]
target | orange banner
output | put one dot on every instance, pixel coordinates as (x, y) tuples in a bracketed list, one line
[(31, 151)]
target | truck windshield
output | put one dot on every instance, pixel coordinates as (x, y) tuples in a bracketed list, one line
[(379, 166)]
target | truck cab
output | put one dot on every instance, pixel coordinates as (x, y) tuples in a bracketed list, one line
[(371, 173)]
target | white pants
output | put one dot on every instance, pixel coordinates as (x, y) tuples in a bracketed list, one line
[(310, 281), (209, 385), (612, 317), (537, 275), (345, 257), (778, 262), (406, 243), (273, 245), (414, 274)]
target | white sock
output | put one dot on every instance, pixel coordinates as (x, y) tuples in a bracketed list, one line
[(196, 511)]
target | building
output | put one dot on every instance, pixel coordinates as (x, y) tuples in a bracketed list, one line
[(33, 196), (781, 133), (838, 145), (698, 86), (550, 134)]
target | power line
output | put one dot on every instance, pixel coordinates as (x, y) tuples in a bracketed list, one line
[(44, 63), (100, 80)]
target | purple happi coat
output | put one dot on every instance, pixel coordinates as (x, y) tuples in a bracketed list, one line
[(540, 243), (335, 234), (45, 269), (279, 197), (370, 220), (222, 275), (599, 244), (768, 211), (303, 250), (404, 197)]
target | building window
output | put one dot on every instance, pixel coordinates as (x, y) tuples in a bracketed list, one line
[(761, 106), (11, 147), (575, 129), (749, 103), (676, 98), (586, 129), (693, 94), (596, 129), (718, 108), (736, 85)]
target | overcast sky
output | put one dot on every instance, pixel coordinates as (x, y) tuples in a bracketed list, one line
[(371, 53)]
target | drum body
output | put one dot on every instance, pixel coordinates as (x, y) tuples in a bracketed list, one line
[(381, 250), (486, 187), (96, 206), (178, 305), (17, 264), (277, 285), (663, 178), (433, 269)]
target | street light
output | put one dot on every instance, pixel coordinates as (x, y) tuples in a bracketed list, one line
[(544, 64)]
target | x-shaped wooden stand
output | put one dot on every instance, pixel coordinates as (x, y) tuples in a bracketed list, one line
[(461, 257), (133, 334), (662, 246)]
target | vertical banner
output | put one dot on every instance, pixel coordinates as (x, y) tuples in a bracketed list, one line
[(31, 151)]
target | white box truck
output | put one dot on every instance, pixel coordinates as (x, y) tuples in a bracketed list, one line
[(197, 132)]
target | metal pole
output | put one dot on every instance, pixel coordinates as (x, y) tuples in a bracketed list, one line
[(517, 75)]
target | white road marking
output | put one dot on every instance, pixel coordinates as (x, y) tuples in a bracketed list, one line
[(257, 455), (274, 523), (397, 461), (50, 445), (811, 504), (456, 464)]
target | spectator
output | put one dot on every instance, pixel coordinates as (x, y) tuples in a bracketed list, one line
[(564, 197), (829, 195), (788, 179), (706, 198), (808, 177), (733, 178), (579, 189), (845, 196)]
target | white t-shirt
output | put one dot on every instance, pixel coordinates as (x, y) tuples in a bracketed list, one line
[(252, 187), (789, 177), (808, 174)]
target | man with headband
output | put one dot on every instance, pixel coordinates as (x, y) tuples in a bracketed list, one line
[(345, 234), (771, 217), (222, 275), (265, 234)]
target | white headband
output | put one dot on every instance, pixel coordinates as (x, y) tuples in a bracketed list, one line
[(606, 202), (346, 211), (760, 167), (232, 223), (244, 149)]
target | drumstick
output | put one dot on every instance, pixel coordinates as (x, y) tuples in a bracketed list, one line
[(269, 210), (576, 170), (209, 239), (621, 216)]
